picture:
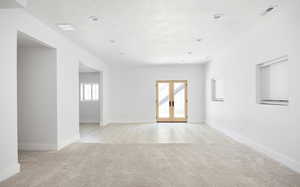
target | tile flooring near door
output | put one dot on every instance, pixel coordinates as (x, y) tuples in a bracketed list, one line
[(151, 155), (146, 133)]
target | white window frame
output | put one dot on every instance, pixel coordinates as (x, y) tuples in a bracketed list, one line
[(259, 82), (214, 91), (93, 97)]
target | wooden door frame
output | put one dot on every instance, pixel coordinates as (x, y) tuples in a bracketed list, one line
[(185, 103), (171, 98), (157, 102)]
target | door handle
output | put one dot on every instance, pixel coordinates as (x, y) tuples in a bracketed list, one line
[(171, 103)]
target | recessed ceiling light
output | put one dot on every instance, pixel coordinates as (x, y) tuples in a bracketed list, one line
[(218, 16), (93, 18), (112, 41), (65, 26)]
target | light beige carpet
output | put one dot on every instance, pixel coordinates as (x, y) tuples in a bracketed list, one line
[(152, 155), (151, 165)]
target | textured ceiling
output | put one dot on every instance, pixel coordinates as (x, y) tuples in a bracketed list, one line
[(152, 31)]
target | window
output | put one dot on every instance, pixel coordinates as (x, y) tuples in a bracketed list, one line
[(81, 92), (89, 92), (95, 93), (272, 82), (217, 90)]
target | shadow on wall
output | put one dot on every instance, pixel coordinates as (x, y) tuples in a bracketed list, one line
[(37, 99)]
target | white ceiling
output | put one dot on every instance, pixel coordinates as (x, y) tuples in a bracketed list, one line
[(152, 31)]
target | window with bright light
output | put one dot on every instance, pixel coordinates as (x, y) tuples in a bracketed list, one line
[(81, 92), (95, 93), (89, 92), (272, 82)]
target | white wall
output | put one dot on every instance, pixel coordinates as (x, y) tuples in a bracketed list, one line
[(13, 3), (37, 114), (8, 99), (273, 130), (133, 91), (89, 111), (68, 57)]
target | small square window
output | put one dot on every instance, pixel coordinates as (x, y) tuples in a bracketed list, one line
[(217, 90), (272, 82), (89, 92)]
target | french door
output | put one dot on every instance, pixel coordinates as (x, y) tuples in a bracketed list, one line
[(171, 101)]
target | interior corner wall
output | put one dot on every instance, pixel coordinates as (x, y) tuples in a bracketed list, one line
[(89, 111), (133, 91), (12, 4), (8, 101), (105, 106), (37, 99), (273, 130), (68, 56)]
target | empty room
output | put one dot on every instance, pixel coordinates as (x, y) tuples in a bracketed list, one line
[(152, 93)]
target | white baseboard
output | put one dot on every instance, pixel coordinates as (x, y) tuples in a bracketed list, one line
[(37, 147), (89, 122), (197, 123), (104, 124), (128, 122), (150, 122), (5, 173), (47, 147), (281, 158), (68, 142)]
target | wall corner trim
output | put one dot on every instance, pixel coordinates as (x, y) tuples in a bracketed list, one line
[(68, 142), (279, 157), (5, 173), (130, 122)]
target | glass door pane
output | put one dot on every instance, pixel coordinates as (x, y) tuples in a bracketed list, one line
[(163, 100), (179, 99)]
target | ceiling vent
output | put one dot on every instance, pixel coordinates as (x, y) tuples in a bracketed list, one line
[(218, 16), (93, 18), (269, 9)]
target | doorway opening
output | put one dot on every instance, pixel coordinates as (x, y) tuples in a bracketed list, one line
[(37, 94), (90, 100), (171, 101)]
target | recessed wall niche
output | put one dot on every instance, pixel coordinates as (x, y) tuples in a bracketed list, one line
[(272, 82), (217, 91)]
